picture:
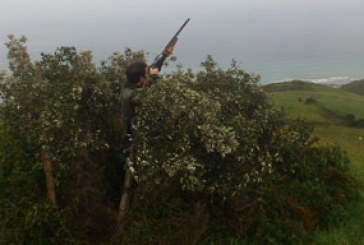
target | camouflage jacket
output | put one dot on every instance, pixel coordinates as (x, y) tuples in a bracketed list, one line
[(128, 105)]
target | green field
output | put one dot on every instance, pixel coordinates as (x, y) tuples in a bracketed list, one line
[(326, 103), (327, 108), (354, 87)]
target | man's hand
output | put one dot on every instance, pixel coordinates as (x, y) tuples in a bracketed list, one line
[(153, 71), (158, 61)]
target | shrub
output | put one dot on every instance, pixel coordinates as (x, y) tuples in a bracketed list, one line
[(214, 138), (214, 161), (310, 100), (63, 103)]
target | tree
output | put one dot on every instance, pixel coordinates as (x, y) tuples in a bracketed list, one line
[(64, 111), (213, 146), (213, 156), (212, 134)]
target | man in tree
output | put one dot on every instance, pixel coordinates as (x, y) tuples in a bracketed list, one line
[(137, 74)]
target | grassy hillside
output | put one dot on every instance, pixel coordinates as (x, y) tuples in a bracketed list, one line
[(327, 109), (354, 87), (315, 102)]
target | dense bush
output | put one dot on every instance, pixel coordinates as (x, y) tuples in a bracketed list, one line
[(213, 140), (65, 104), (214, 161), (211, 134)]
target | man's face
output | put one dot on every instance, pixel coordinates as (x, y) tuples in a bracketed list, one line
[(142, 79)]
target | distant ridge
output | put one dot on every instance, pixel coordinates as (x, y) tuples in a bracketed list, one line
[(295, 85), (334, 82), (356, 87)]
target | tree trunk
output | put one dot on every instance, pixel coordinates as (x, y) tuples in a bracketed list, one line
[(125, 195), (47, 165)]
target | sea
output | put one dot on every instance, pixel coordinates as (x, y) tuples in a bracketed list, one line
[(327, 64)]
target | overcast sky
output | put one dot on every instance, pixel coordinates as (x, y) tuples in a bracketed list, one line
[(250, 31)]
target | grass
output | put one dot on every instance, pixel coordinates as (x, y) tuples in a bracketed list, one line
[(354, 87), (326, 113), (347, 233), (350, 232), (293, 97)]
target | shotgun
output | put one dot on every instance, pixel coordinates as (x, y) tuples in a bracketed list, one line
[(158, 61)]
